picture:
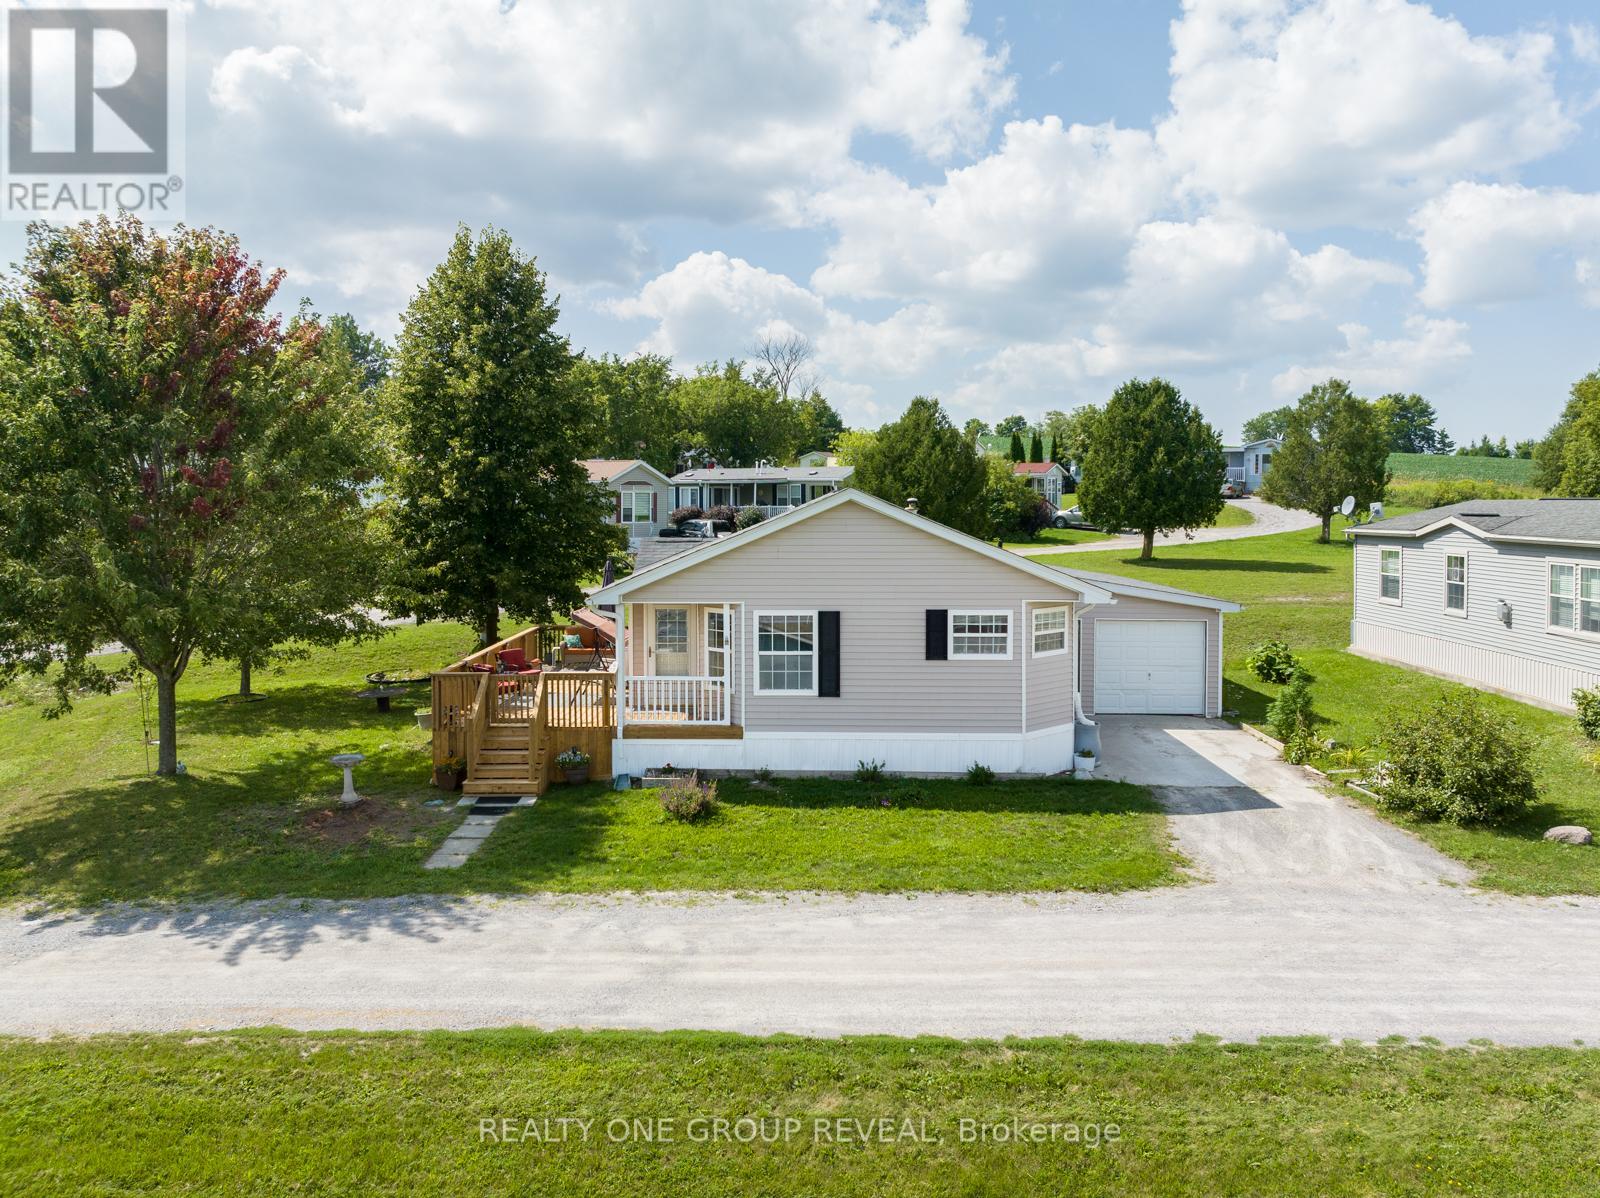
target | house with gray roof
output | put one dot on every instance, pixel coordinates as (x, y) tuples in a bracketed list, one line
[(1502, 594), (773, 489)]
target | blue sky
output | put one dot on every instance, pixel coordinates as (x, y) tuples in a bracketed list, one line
[(1010, 207)]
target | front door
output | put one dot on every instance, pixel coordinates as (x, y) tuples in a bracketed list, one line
[(672, 641)]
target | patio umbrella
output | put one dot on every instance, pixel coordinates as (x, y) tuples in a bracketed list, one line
[(607, 577)]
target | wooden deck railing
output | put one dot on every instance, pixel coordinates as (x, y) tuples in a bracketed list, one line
[(573, 710), (458, 687)]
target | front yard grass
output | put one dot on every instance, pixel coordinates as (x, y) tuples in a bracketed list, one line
[(818, 834), (273, 1112), (1060, 536), (256, 817), (1298, 591)]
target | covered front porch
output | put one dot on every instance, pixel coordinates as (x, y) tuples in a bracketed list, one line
[(773, 498), (678, 674)]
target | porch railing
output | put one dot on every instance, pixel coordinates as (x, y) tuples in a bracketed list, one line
[(678, 700)]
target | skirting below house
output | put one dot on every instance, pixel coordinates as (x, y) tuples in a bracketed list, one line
[(1540, 683), (1044, 751)]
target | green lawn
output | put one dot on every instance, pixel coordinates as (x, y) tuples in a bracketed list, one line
[(271, 1113), (1298, 591), (1232, 516), (816, 834), (255, 816)]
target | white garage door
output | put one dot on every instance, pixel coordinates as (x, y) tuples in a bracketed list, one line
[(1150, 667)]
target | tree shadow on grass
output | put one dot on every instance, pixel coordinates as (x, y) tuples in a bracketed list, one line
[(306, 707), (1186, 564)]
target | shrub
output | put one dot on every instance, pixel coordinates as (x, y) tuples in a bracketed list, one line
[(869, 771), (979, 774), (1588, 705), (1272, 662), (689, 801), (1290, 713), (1457, 760), (721, 514), (748, 517), (1036, 517), (679, 515), (764, 776), (1442, 492), (1301, 747)]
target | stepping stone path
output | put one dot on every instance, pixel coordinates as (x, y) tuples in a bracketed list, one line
[(482, 816)]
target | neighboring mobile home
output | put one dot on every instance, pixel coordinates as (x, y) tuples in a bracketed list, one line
[(1503, 594), (642, 493), (851, 630), (1247, 464), (773, 489), (1049, 479)]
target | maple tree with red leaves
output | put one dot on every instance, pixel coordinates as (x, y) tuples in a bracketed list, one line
[(184, 468)]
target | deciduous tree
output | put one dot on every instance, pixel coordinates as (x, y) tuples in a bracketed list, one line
[(179, 464), (1268, 424), (632, 408), (1412, 424), (1153, 463), (1336, 445), (488, 503)]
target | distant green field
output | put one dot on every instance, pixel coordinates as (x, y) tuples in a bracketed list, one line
[(1434, 466)]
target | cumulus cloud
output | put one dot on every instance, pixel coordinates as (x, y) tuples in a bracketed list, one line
[(1484, 243), (1429, 352), (1349, 111)]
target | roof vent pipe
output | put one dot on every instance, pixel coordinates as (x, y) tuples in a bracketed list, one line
[(911, 504)]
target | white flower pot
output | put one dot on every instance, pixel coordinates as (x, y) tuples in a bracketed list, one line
[(1083, 767)]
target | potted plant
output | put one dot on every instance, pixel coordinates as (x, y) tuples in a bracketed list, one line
[(1085, 763), (573, 764), (447, 775)]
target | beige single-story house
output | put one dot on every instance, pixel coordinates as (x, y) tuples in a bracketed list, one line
[(1049, 479), (642, 494), (851, 630), (1503, 594)]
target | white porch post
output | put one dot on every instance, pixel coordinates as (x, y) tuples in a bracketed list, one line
[(622, 667), (727, 662)]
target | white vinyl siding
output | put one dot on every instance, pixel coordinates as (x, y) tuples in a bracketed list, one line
[(786, 653), (980, 634), (1389, 566), (1523, 636), (1049, 631), (1455, 583)]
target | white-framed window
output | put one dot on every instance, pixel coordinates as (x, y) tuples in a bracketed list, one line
[(716, 644), (1574, 598), (1455, 583), (1389, 575), (985, 634), (635, 505), (1049, 631), (786, 652)]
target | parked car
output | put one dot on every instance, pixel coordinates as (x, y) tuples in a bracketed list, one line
[(1072, 517), (1232, 490)]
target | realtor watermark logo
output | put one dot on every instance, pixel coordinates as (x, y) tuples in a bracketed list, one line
[(94, 110)]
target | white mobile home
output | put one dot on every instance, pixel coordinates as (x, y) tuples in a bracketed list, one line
[(851, 630), (641, 492), (1503, 594)]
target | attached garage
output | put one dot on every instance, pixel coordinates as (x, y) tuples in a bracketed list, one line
[(1150, 667), (1155, 651)]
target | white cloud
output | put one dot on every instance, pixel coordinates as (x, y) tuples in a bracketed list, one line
[(1429, 352), (1051, 211), (1585, 39), (1348, 111), (1485, 243)]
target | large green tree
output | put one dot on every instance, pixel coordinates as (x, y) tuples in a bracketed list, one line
[(487, 501), (735, 420), (1337, 444), (1580, 454), (819, 426), (1551, 457), (180, 466), (1069, 433), (1267, 424), (923, 455), (632, 406), (1412, 423), (367, 351), (1011, 424), (1153, 464)]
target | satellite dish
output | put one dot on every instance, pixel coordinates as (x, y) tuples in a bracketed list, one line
[(1348, 506)]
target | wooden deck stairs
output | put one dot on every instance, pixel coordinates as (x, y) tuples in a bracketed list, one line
[(503, 767)]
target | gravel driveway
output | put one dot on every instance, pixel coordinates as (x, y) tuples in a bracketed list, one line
[(1313, 917), (1268, 519)]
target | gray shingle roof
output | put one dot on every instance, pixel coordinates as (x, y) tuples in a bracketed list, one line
[(1566, 520), (1119, 584)]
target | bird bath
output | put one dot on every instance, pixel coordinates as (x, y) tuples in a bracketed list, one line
[(347, 762)]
